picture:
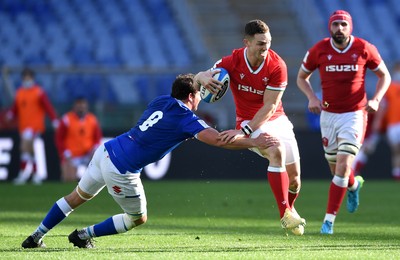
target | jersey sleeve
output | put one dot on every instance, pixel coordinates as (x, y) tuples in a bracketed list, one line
[(193, 125), (225, 62), (61, 132), (374, 57), (48, 106), (98, 134), (309, 61), (279, 77), (13, 111)]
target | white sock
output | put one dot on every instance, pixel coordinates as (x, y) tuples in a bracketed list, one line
[(39, 233), (330, 218)]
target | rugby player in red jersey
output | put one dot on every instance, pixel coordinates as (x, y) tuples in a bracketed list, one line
[(342, 61), (258, 78)]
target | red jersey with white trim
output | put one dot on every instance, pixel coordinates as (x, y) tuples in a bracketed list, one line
[(30, 107), (392, 103), (248, 84), (342, 72)]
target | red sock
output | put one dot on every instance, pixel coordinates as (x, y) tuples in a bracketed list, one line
[(358, 167), (279, 183), (351, 179), (292, 198), (22, 165), (34, 168), (335, 198)]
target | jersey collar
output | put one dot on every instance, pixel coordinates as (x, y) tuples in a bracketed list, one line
[(344, 50), (182, 104), (249, 66)]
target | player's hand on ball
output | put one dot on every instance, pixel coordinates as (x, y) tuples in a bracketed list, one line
[(207, 80), (229, 136)]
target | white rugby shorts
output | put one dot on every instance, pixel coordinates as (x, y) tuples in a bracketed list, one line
[(393, 133), (281, 128), (348, 126), (29, 134), (126, 189)]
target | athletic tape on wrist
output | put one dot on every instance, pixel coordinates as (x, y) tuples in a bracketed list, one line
[(247, 130)]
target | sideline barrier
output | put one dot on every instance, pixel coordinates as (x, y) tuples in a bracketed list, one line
[(195, 160)]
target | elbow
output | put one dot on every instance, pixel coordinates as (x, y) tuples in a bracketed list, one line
[(300, 81)]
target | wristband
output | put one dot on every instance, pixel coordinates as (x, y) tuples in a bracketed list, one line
[(247, 129)]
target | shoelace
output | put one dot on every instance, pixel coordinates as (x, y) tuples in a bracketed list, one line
[(36, 237), (88, 240)]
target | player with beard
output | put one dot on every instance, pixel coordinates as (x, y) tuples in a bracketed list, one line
[(342, 61)]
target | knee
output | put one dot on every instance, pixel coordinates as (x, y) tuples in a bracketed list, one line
[(75, 199)]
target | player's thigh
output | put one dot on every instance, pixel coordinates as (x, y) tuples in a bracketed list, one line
[(92, 181), (281, 128), (329, 132), (288, 138), (351, 127), (27, 138), (344, 127), (127, 190)]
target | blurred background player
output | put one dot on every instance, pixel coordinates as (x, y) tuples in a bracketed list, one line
[(371, 140), (389, 115), (258, 79), (77, 138), (344, 104), (167, 122), (29, 108)]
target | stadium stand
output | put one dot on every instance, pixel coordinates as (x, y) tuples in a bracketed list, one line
[(92, 34), (125, 52)]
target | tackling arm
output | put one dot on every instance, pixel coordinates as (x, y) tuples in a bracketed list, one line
[(211, 136)]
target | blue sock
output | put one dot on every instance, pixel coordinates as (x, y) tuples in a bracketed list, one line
[(105, 228), (57, 213)]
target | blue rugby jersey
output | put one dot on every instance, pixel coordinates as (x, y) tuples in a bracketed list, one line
[(165, 124)]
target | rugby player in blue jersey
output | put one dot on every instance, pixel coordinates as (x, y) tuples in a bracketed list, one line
[(168, 121)]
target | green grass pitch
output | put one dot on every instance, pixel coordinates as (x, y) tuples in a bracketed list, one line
[(208, 220)]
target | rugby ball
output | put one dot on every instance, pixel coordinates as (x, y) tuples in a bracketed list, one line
[(222, 76)]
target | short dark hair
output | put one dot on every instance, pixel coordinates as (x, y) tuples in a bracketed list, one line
[(183, 86), (27, 72), (80, 98), (255, 27)]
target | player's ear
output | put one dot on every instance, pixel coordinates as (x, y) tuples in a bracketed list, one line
[(190, 96)]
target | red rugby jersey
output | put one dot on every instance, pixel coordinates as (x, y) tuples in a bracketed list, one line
[(342, 72), (248, 84)]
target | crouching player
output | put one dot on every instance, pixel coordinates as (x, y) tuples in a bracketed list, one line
[(167, 121)]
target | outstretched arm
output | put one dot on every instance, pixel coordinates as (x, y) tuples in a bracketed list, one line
[(271, 101), (212, 137)]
